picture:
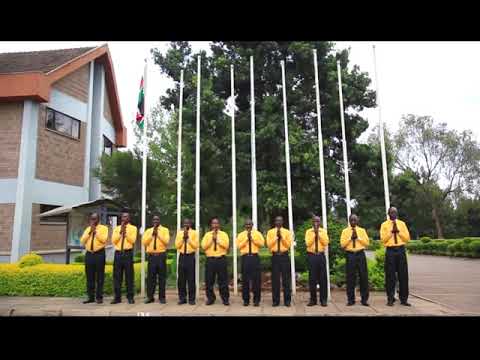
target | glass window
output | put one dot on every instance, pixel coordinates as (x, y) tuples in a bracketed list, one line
[(107, 146), (63, 123)]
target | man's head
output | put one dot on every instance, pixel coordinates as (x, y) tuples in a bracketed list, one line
[(215, 223), (156, 220), (125, 218), (187, 223), (316, 221), (248, 225), (278, 221), (353, 220), (393, 213), (93, 219)]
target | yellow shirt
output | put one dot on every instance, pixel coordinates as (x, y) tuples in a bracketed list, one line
[(130, 237), (99, 241), (285, 243), (192, 243), (257, 242), (386, 235), (360, 243), (222, 244), (163, 237), (322, 240)]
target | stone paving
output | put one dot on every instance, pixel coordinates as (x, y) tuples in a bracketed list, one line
[(49, 306)]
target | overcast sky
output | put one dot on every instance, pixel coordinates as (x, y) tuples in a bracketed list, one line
[(441, 79)]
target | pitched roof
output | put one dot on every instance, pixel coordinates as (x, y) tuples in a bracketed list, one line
[(44, 61), (30, 75)]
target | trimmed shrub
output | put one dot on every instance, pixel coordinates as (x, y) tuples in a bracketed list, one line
[(30, 259), (80, 258), (475, 248), (425, 239), (374, 245)]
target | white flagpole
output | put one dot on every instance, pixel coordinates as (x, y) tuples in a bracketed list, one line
[(289, 185), (253, 150), (320, 158), (197, 181), (382, 140), (344, 141), (179, 162), (144, 174), (234, 184)]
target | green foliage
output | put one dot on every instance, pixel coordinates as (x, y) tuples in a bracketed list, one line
[(30, 259), (454, 247), (425, 239), (52, 280), (335, 252), (374, 245), (80, 258)]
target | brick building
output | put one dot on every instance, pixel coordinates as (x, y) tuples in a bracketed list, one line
[(59, 111)]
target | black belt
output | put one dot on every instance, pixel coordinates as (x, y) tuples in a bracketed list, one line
[(355, 252), (395, 247), (276, 253), (215, 257), (312, 253), (188, 254), (124, 251), (96, 252), (156, 254), (250, 255)]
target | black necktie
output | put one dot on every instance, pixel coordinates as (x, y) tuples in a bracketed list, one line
[(93, 237), (316, 241), (214, 241), (155, 240), (123, 238), (279, 237), (185, 242), (354, 238), (395, 233), (249, 243)]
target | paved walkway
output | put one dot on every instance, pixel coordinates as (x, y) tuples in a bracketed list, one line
[(454, 282), (42, 306)]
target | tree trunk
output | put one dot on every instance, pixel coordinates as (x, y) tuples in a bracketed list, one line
[(437, 223)]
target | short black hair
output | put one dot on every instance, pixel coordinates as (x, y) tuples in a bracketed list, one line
[(213, 218)]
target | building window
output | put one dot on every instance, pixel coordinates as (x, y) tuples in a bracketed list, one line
[(63, 124), (107, 146)]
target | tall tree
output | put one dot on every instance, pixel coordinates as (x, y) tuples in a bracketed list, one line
[(445, 163)]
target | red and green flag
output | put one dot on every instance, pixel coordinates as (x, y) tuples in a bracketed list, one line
[(141, 106)]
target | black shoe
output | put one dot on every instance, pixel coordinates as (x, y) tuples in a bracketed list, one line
[(364, 303), (226, 303), (131, 301), (312, 303), (350, 303), (275, 304), (256, 304), (394, 299), (210, 302), (99, 301), (287, 304), (246, 303), (149, 300), (88, 301), (323, 303), (192, 302), (162, 301), (181, 302), (115, 301), (390, 303), (404, 303)]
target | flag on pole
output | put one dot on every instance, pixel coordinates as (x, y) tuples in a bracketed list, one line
[(141, 106)]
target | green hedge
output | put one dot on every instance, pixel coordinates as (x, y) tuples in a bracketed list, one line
[(467, 247)]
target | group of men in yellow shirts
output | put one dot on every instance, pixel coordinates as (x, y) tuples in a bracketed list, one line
[(215, 243)]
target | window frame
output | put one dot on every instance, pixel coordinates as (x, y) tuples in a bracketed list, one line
[(70, 136)]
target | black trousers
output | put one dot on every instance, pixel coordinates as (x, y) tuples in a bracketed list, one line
[(396, 267), (95, 273), (281, 268), (251, 277), (217, 267), (123, 264), (157, 269), (357, 264), (317, 275), (186, 277)]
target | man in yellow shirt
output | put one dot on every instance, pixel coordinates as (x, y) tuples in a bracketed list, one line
[(279, 241), (123, 238), (354, 240), (186, 244), (94, 238), (249, 242), (155, 240), (215, 244), (317, 240), (394, 235)]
